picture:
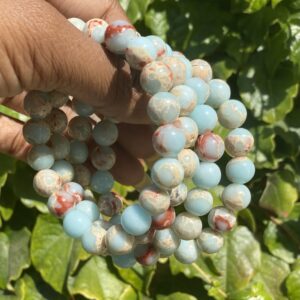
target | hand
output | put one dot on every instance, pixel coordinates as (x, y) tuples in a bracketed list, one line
[(41, 50)]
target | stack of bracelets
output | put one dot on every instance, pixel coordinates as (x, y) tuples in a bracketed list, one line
[(186, 104)]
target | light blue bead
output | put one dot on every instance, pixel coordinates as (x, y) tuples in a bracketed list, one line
[(89, 208), (189, 128), (163, 108), (102, 182), (188, 66), (189, 161), (136, 220), (159, 45), (124, 261), (210, 241), (198, 202), (167, 173), (76, 223), (219, 92), (236, 196), (205, 117), (187, 252), (37, 132), (169, 50), (166, 241), (178, 194), (64, 169), (115, 220), (40, 157), (200, 87), (78, 152), (82, 109), (60, 146), (240, 170), (207, 175), (105, 133)]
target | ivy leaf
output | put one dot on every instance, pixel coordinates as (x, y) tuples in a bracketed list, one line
[(248, 6), (26, 289), (293, 284), (176, 296), (157, 22), (8, 202), (255, 291), (136, 9)]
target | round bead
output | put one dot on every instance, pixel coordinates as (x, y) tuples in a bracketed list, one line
[(80, 128), (95, 28), (189, 161), (169, 51), (64, 169), (40, 157), (177, 67), (210, 147), (232, 114), (74, 189), (236, 196), (89, 208), (115, 220), (140, 51), (200, 87), (159, 45), (154, 200), (76, 223), (189, 128), (210, 241), (201, 69), (57, 120), (221, 219), (187, 98), (165, 219), (219, 92), (187, 63), (168, 140), (118, 241), (187, 252), (178, 194), (239, 142), (187, 226), (102, 182), (207, 175), (78, 23), (60, 146), (163, 108), (57, 99), (124, 261), (136, 220), (166, 241), (37, 105), (110, 204), (36, 132), (156, 77), (46, 182), (78, 152), (117, 36), (146, 255), (105, 133), (82, 109), (240, 170), (145, 238), (205, 117), (103, 158), (198, 202), (167, 173), (82, 175)]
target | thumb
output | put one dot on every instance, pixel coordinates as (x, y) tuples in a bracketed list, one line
[(41, 50)]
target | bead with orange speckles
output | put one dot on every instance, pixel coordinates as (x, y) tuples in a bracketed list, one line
[(46, 182), (201, 69), (166, 242), (189, 161), (189, 128), (164, 220), (177, 67), (95, 28), (146, 255), (178, 194), (221, 219)]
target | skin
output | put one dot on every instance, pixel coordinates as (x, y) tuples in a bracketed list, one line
[(41, 50)]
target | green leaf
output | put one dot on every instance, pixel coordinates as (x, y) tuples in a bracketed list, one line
[(224, 68), (95, 281), (280, 193), (293, 285), (14, 255), (137, 9), (7, 164), (53, 250), (8, 202), (254, 291), (26, 289), (157, 22), (176, 296), (248, 6)]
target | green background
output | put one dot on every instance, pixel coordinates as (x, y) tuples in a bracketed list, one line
[(255, 45)]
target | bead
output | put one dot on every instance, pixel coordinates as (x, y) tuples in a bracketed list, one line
[(189, 128), (102, 182), (221, 219), (136, 220), (36, 132), (74, 189), (210, 241), (164, 220), (95, 28), (167, 173), (78, 152), (166, 241), (82, 175), (139, 52), (187, 98), (198, 202), (163, 108), (219, 92), (200, 87), (156, 77), (37, 105), (60, 146), (187, 252), (145, 238), (57, 120), (40, 157), (205, 117), (159, 45), (80, 128), (46, 182), (82, 109), (169, 51), (189, 161), (178, 194), (201, 69), (168, 140), (115, 220), (110, 204), (64, 169), (60, 202), (76, 223), (177, 67), (124, 261), (154, 200), (210, 147), (146, 255), (78, 23), (57, 99), (105, 133), (236, 196), (187, 226), (89, 208), (117, 36), (118, 241), (103, 157), (232, 114), (239, 142), (207, 175), (240, 170), (188, 66)]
